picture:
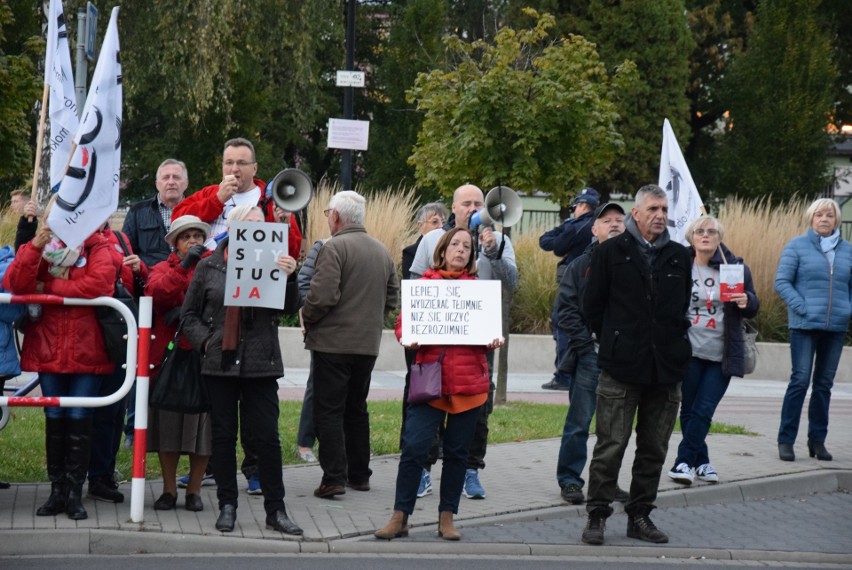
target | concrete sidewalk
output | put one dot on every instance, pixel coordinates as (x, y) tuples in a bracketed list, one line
[(523, 512)]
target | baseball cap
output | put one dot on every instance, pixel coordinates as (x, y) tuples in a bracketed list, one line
[(589, 196), (600, 210)]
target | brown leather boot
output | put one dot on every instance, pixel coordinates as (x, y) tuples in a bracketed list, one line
[(446, 530), (397, 526)]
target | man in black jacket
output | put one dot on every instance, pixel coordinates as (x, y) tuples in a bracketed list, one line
[(635, 302), (147, 222), (581, 359), (568, 240)]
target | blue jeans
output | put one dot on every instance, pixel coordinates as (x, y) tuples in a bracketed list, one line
[(74, 385), (702, 390), (421, 424), (575, 434), (654, 406), (817, 351)]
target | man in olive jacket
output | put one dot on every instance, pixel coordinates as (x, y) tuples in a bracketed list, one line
[(636, 299), (354, 287)]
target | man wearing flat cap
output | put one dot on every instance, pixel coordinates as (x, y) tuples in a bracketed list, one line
[(569, 240)]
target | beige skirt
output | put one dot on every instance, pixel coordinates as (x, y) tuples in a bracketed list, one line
[(179, 433)]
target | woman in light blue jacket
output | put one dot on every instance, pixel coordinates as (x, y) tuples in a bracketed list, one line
[(814, 279)]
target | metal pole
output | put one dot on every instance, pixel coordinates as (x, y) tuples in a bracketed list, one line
[(81, 70), (348, 92)]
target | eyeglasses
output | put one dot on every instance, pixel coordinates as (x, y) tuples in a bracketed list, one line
[(327, 212), (240, 163), (712, 232), (433, 222), (186, 236)]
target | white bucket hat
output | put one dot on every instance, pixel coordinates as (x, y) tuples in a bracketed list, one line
[(184, 223)]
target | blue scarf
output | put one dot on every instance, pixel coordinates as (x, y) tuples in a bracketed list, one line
[(828, 245)]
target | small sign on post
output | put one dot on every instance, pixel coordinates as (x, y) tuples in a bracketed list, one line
[(350, 79), (346, 134), (91, 30), (450, 311), (253, 279)]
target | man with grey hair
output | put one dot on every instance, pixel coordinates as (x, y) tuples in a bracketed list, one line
[(637, 295), (352, 291), (147, 222)]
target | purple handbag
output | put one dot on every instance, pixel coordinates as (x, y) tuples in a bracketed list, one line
[(425, 384)]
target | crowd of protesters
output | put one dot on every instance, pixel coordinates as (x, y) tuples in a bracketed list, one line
[(641, 326)]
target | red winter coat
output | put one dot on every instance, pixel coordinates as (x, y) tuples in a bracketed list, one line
[(206, 205), (167, 285), (66, 339), (464, 370)]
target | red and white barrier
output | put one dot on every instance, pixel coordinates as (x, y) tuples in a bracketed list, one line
[(137, 368)]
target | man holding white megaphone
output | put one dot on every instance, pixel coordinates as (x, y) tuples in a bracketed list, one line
[(495, 260)]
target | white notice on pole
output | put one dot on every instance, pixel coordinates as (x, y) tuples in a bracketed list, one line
[(349, 79), (346, 134), (451, 311)]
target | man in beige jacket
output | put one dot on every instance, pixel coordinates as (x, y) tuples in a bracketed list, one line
[(354, 287)]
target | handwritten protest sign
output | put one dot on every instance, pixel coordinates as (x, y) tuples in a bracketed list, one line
[(253, 279), (451, 312)]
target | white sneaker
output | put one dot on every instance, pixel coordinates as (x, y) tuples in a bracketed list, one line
[(682, 474), (707, 473)]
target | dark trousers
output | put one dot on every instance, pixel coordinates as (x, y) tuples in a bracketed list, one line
[(655, 408), (421, 424), (306, 436), (341, 419), (107, 428), (259, 399), (479, 443)]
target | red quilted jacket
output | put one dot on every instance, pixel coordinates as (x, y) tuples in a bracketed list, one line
[(66, 339), (464, 370)]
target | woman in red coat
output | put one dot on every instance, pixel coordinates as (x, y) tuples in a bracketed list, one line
[(173, 433), (464, 389), (65, 346)]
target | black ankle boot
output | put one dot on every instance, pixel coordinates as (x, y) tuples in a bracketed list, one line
[(78, 445), (819, 451), (785, 452), (54, 445), (639, 525)]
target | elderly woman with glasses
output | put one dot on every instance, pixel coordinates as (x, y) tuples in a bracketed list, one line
[(716, 336), (814, 278)]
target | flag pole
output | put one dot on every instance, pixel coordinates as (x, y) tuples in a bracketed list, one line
[(39, 142)]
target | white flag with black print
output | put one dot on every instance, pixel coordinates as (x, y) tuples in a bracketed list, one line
[(62, 104), (88, 195), (685, 204)]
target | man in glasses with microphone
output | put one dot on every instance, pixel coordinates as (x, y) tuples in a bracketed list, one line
[(496, 260)]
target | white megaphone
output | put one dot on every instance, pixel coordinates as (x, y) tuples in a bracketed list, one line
[(291, 189), (502, 206)]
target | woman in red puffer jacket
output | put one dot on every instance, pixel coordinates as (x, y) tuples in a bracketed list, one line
[(65, 346), (464, 389)]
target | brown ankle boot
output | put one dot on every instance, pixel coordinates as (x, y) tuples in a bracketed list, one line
[(446, 530), (397, 526)]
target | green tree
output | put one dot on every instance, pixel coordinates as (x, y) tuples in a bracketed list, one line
[(527, 111), (654, 35), (780, 95), (200, 72), (20, 88)]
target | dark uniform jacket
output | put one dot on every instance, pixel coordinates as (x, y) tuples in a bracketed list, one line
[(144, 227)]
